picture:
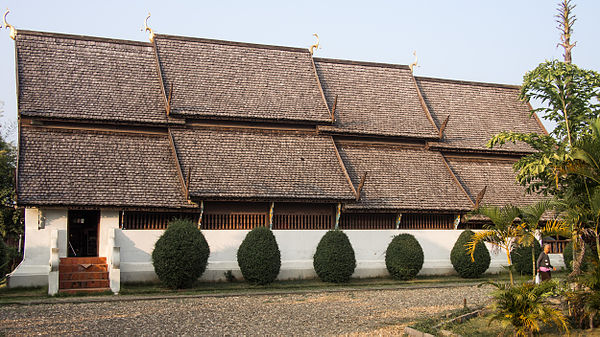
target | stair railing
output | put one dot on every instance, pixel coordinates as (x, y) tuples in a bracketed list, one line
[(114, 262), (53, 279)]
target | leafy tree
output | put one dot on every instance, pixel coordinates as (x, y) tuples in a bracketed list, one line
[(11, 223), (570, 97), (180, 255), (461, 259), (259, 257), (502, 233)]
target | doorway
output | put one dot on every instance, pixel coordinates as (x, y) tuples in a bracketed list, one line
[(82, 233)]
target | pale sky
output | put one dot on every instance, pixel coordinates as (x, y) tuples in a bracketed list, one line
[(488, 41)]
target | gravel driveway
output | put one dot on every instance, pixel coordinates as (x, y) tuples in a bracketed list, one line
[(355, 313)]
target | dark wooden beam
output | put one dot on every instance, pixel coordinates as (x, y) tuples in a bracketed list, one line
[(333, 109), (443, 127), (169, 100), (187, 183), (360, 186), (480, 196)]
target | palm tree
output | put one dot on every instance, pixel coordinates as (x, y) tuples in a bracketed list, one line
[(502, 233), (530, 228), (524, 307)]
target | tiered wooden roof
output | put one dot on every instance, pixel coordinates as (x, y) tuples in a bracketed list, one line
[(165, 124)]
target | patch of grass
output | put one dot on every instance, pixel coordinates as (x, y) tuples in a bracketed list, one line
[(481, 327)]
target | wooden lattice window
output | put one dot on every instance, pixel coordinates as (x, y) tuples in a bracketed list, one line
[(302, 221), (427, 221), (234, 221), (153, 220), (367, 221)]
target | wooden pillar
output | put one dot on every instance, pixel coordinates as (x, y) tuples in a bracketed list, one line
[(201, 214), (337, 216), (271, 215), (457, 221), (398, 220)]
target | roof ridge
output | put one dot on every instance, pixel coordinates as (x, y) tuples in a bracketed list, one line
[(83, 37), (485, 84), (456, 179), (424, 105), (362, 63), (231, 43)]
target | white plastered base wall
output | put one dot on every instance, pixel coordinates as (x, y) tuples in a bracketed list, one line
[(297, 249), (39, 223)]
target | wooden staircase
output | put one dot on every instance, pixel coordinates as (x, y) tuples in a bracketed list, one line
[(83, 274)]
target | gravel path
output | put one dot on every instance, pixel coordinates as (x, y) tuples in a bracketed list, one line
[(354, 313)]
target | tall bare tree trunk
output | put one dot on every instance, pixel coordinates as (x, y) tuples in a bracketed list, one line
[(577, 260)]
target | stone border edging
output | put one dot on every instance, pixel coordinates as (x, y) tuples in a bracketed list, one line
[(127, 298), (462, 318)]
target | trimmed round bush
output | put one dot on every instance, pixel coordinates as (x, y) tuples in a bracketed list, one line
[(334, 259), (461, 259), (404, 257), (259, 257), (3, 258), (568, 257), (521, 258), (180, 255)]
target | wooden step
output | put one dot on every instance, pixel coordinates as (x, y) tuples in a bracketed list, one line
[(83, 260), (84, 290), (85, 275), (79, 284), (72, 268)]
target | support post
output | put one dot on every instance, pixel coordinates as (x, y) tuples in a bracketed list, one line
[(457, 221), (201, 214), (398, 220), (338, 213), (271, 215)]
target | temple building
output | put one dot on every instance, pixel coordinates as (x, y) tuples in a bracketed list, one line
[(116, 138)]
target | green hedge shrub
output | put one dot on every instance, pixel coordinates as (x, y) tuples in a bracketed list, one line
[(568, 257), (180, 255), (404, 257), (521, 258), (258, 256), (461, 259), (334, 259), (3, 258)]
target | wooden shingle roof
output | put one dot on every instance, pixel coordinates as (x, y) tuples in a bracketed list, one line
[(75, 77), (402, 178), (497, 175), (261, 164), (99, 168), (477, 112), (229, 80), (373, 99), (227, 100)]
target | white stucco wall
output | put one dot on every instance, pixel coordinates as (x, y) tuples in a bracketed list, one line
[(297, 250), (34, 269), (108, 221)]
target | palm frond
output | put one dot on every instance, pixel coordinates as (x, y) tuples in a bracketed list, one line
[(482, 236), (556, 227)]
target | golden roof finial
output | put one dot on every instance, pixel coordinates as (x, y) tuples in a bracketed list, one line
[(414, 64), (13, 31), (314, 46), (148, 29)]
